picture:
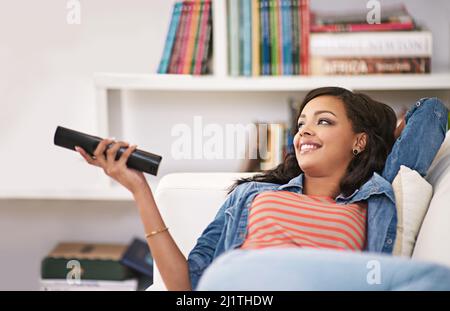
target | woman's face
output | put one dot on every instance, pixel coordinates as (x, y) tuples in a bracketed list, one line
[(325, 138)]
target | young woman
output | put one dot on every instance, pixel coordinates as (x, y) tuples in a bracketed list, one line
[(332, 193)]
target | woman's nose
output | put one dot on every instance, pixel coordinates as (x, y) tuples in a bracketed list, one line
[(305, 130)]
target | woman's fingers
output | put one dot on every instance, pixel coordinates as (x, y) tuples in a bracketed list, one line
[(85, 155), (112, 152), (100, 150), (124, 157)]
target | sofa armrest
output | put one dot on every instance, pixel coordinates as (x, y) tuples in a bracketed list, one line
[(188, 202)]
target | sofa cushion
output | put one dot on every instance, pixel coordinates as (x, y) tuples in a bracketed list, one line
[(433, 242), (412, 197)]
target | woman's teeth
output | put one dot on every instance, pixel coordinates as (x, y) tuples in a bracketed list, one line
[(307, 148)]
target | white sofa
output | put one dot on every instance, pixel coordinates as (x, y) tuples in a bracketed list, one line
[(189, 201)]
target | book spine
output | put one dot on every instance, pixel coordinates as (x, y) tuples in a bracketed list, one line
[(287, 37), (208, 43), (203, 36), (280, 37), (295, 38), (190, 44), (364, 44), (265, 37), (170, 39), (175, 57), (394, 26), (378, 65), (197, 37), (256, 38), (273, 36), (185, 37), (247, 38), (305, 44), (233, 36)]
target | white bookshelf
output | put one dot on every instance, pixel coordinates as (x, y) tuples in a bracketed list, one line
[(113, 89), (110, 100), (157, 82)]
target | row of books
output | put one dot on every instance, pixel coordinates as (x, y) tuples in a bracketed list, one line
[(188, 46), (274, 141), (268, 37), (97, 267), (345, 43)]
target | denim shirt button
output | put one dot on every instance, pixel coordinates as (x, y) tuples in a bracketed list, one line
[(418, 103), (389, 241)]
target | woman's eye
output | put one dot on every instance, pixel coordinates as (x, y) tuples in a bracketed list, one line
[(319, 122), (323, 120)]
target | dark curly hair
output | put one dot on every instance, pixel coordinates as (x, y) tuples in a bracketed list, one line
[(367, 115)]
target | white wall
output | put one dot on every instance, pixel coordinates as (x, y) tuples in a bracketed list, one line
[(46, 71)]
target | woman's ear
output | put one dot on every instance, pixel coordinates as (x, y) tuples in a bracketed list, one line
[(361, 141)]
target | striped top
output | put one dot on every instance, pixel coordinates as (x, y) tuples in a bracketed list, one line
[(288, 219)]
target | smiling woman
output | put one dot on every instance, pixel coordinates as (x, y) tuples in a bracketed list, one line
[(342, 138)]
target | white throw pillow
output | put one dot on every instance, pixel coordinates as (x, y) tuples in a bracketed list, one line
[(412, 197), (433, 242)]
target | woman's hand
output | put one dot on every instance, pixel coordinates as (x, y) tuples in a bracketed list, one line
[(131, 179)]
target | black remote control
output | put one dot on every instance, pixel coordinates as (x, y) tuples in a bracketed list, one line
[(139, 160)]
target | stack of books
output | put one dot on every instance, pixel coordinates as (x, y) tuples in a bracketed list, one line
[(188, 46), (97, 267), (347, 44), (268, 37)]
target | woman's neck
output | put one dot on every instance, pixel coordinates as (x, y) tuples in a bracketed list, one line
[(321, 186)]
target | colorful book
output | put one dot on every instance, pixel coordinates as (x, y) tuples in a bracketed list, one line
[(256, 20), (286, 9), (176, 52), (86, 261), (197, 37), (265, 38), (185, 36), (295, 17), (246, 29), (274, 59), (207, 53), (394, 17), (369, 65), (170, 39), (305, 37), (192, 33), (279, 32), (372, 44), (138, 258), (205, 35), (88, 285), (233, 36)]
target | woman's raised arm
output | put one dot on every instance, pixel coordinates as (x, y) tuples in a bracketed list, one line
[(171, 262)]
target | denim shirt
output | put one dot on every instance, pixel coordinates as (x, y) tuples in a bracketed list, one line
[(228, 230)]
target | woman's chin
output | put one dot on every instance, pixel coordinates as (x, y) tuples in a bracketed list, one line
[(309, 163)]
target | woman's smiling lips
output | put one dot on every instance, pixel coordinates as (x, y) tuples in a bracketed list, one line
[(308, 147)]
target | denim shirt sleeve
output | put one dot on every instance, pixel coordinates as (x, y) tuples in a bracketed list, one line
[(203, 252), (424, 132)]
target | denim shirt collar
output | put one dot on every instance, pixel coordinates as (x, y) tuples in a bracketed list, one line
[(375, 185)]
